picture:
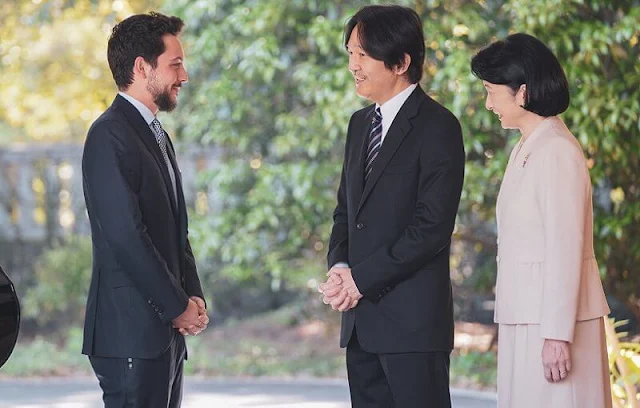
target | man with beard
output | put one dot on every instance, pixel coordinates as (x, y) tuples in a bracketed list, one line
[(145, 293)]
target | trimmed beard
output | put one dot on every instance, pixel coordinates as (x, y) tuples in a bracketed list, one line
[(161, 97)]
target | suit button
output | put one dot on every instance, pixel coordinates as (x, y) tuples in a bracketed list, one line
[(360, 226), (497, 259)]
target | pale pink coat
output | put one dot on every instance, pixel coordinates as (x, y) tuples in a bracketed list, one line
[(547, 270)]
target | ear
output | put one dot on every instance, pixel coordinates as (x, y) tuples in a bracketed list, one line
[(521, 95), (402, 68), (141, 68)]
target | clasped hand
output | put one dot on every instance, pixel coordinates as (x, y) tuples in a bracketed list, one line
[(340, 290), (194, 319)]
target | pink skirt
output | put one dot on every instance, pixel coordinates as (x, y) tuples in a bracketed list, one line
[(521, 382)]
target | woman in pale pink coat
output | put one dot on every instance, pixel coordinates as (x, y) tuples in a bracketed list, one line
[(549, 299)]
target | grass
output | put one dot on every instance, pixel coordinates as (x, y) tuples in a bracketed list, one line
[(276, 344), (474, 369), (42, 356)]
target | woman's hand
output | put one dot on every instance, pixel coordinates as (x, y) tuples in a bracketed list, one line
[(556, 359)]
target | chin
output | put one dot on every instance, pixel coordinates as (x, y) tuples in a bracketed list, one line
[(506, 125), (366, 96), (362, 92)]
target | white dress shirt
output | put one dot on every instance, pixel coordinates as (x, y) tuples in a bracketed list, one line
[(390, 108)]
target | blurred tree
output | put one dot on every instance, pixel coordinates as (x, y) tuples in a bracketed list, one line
[(63, 274), (597, 43), (270, 87), (54, 76)]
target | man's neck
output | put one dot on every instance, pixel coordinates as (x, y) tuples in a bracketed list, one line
[(397, 89), (142, 97)]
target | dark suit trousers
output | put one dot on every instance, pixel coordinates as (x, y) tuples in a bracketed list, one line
[(142, 383), (402, 380)]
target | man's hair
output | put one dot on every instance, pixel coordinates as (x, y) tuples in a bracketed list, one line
[(523, 59), (387, 33), (138, 36)]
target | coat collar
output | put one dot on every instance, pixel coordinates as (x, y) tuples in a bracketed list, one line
[(520, 156)]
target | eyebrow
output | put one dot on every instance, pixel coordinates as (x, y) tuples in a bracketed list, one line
[(177, 59)]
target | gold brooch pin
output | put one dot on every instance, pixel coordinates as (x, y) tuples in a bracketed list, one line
[(526, 158)]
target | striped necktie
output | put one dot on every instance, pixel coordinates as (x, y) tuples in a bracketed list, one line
[(161, 138), (375, 142)]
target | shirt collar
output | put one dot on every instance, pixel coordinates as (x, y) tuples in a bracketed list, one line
[(390, 108), (141, 107)]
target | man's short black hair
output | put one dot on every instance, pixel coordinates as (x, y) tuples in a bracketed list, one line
[(387, 33), (523, 59), (138, 36)]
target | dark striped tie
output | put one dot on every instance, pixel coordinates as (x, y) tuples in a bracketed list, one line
[(161, 138), (375, 142)]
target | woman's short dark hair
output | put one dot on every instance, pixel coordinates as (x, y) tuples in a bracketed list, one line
[(138, 36), (387, 33), (523, 59)]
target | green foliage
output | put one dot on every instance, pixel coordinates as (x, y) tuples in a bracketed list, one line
[(260, 357), (43, 356), (54, 76), (630, 352), (272, 344), (474, 369), (624, 365), (270, 87), (62, 277)]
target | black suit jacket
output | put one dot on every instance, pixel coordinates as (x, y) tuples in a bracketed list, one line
[(143, 268), (395, 230)]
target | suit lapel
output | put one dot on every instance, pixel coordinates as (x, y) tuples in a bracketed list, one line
[(400, 127), (149, 139), (361, 155), (182, 208)]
